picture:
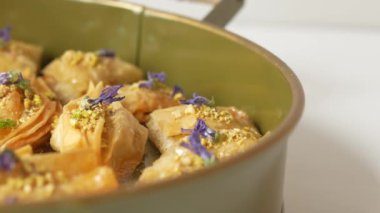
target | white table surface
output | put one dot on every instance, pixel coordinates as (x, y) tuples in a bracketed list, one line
[(334, 154)]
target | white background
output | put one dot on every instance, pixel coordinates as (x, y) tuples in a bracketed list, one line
[(334, 48)]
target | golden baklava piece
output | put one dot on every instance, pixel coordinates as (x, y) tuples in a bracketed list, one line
[(99, 122), (143, 97), (27, 110), (18, 55), (194, 135), (70, 74), (30, 178)]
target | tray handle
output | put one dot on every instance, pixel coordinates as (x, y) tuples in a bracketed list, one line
[(223, 11)]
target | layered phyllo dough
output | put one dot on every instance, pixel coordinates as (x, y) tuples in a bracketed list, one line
[(144, 97), (70, 74), (27, 110), (37, 177), (99, 122), (194, 135)]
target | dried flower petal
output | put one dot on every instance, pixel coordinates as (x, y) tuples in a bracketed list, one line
[(8, 160), (202, 129), (9, 78), (160, 76), (176, 89), (108, 53), (107, 96), (196, 146), (197, 100), (12, 77), (10, 200), (5, 34), (154, 79)]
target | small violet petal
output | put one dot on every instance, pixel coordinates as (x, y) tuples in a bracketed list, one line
[(107, 96), (152, 79), (8, 160), (196, 146), (202, 128), (108, 53), (10, 200), (146, 84), (7, 78), (176, 89), (196, 100), (159, 76), (5, 34)]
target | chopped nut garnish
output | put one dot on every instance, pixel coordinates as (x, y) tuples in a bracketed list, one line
[(37, 100), (86, 118), (206, 112)]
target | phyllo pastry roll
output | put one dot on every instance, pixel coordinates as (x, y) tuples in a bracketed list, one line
[(194, 135), (144, 97), (48, 176), (70, 74), (99, 122), (17, 55), (26, 110)]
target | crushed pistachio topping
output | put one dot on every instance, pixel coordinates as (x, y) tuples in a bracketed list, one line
[(55, 122), (206, 112), (90, 110), (91, 59), (85, 119), (50, 95), (23, 178), (235, 135), (7, 123), (32, 103), (14, 82), (76, 58), (238, 134), (43, 182), (37, 101), (186, 159), (178, 97)]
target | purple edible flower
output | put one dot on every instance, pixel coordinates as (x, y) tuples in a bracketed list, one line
[(106, 53), (107, 96), (153, 78), (196, 100), (8, 160), (5, 34), (196, 146), (176, 89), (10, 200), (7, 78), (202, 129)]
